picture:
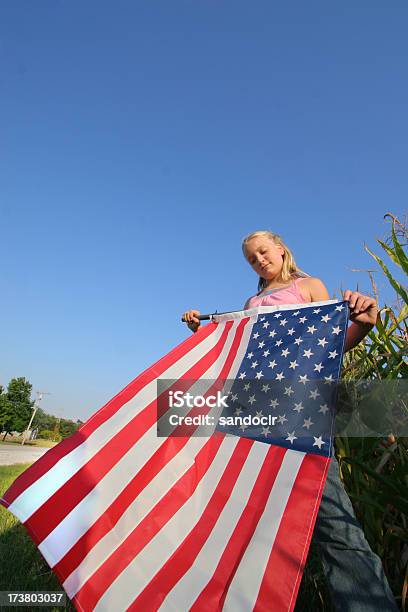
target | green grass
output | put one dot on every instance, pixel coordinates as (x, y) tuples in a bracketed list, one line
[(22, 567)]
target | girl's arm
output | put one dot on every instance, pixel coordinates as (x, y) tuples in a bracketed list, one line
[(363, 309)]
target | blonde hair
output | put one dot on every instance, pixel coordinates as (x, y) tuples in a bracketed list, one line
[(289, 268)]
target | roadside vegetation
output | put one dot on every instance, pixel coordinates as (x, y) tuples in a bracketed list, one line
[(374, 469)]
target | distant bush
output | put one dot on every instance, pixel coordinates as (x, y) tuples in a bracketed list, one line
[(47, 434)]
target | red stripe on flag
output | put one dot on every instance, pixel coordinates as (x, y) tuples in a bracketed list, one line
[(71, 493), (159, 459), (47, 461), (183, 558), (284, 570), (213, 595), (93, 589)]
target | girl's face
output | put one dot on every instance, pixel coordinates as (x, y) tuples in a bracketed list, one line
[(265, 257)]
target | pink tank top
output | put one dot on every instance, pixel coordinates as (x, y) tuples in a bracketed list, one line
[(273, 297)]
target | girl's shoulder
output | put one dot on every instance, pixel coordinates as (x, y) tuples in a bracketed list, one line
[(312, 288)]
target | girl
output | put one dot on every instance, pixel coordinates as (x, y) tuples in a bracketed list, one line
[(354, 573), (282, 282)]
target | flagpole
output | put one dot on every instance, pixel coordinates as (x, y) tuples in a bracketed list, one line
[(210, 316)]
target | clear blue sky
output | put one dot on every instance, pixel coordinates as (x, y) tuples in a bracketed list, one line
[(140, 141)]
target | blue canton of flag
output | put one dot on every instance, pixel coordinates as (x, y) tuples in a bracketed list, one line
[(289, 374)]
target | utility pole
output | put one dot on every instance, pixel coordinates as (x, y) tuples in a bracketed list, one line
[(40, 395)]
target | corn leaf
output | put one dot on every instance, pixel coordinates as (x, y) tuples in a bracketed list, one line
[(397, 286)]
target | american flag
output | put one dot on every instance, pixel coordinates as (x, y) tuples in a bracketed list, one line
[(131, 521)]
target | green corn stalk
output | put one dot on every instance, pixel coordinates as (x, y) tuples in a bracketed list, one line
[(375, 471)]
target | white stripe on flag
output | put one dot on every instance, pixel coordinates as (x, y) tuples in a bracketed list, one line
[(192, 583), (144, 566), (243, 591)]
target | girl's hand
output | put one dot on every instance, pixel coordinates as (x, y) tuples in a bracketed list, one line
[(191, 319), (363, 308)]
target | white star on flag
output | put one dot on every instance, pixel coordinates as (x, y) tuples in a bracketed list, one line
[(291, 437), (307, 423), (318, 442), (303, 379)]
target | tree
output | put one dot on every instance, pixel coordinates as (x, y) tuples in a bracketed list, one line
[(67, 428), (16, 406), (6, 412)]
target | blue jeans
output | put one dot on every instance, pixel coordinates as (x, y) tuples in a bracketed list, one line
[(354, 574)]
